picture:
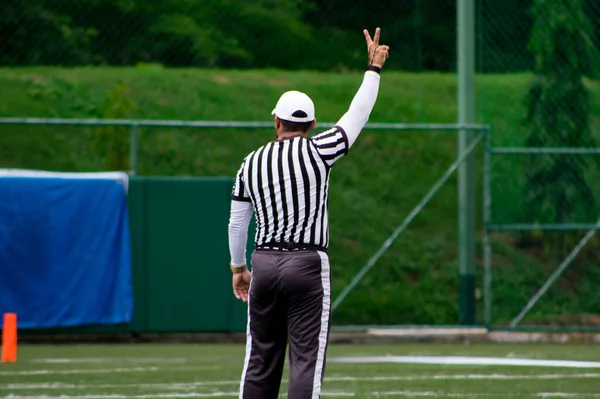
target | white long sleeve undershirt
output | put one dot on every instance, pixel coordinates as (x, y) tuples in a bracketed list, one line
[(360, 109), (239, 221), (353, 121)]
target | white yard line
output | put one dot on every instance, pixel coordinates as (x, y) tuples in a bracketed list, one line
[(480, 395), (445, 360), (107, 360), (439, 394), (567, 395), (467, 377), (467, 361), (119, 396), (405, 393), (79, 371), (172, 386), (158, 396), (104, 371), (188, 386)]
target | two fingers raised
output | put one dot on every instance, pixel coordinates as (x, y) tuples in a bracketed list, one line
[(375, 40), (376, 52)]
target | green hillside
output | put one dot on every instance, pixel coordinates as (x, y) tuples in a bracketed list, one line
[(372, 190)]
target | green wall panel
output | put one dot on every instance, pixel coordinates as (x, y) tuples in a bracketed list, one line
[(138, 227), (188, 275)]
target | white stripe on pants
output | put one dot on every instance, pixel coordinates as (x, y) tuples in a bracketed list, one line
[(248, 347), (323, 335)]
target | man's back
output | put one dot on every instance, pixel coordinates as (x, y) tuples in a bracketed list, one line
[(287, 182)]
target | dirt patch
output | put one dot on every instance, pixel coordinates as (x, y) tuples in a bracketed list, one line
[(588, 320), (222, 79), (277, 82)]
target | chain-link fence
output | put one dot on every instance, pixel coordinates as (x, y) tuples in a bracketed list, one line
[(543, 184), (292, 34), (536, 61), (541, 249), (278, 33), (545, 52)]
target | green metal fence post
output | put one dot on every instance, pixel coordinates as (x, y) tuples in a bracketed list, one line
[(466, 173), (133, 149), (487, 239)]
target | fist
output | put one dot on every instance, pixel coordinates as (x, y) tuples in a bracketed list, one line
[(377, 53)]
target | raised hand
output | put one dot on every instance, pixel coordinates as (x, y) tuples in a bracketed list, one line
[(377, 53)]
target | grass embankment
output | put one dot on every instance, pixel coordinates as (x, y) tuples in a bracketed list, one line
[(372, 190)]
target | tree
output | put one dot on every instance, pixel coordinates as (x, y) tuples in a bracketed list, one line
[(558, 113), (32, 33), (112, 142)]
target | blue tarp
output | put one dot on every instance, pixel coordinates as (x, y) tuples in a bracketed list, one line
[(64, 249)]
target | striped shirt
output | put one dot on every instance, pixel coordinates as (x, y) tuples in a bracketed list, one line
[(287, 183)]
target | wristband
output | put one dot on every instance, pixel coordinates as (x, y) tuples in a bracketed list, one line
[(239, 269), (374, 68)]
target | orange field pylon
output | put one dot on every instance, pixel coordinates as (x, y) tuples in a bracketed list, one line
[(9, 338)]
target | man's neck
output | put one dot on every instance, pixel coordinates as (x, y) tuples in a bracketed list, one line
[(289, 135)]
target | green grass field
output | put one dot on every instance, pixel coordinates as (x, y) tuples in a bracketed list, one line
[(146, 371), (385, 175)]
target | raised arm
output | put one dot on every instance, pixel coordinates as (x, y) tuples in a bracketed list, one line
[(360, 109)]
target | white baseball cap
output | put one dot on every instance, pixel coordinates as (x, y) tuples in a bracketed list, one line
[(295, 106)]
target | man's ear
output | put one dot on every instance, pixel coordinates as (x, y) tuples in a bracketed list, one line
[(312, 126), (277, 122)]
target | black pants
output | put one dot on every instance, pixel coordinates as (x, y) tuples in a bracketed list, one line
[(290, 293)]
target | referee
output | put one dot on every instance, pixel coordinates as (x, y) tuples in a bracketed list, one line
[(285, 183)]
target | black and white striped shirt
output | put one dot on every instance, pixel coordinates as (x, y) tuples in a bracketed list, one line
[(287, 183)]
